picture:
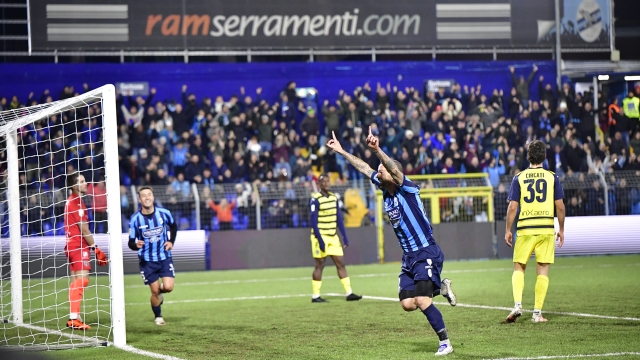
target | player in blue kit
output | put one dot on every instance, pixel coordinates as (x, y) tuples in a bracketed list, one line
[(152, 233), (422, 261)]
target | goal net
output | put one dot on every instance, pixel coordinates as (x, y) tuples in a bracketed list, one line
[(39, 147)]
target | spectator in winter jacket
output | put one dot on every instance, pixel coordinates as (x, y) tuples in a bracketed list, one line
[(223, 212), (522, 86), (181, 186), (265, 133), (310, 124), (331, 117), (635, 143), (495, 170)]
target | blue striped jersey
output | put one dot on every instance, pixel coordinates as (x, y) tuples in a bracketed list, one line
[(154, 230), (407, 215)]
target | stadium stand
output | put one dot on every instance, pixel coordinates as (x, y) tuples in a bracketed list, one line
[(264, 158)]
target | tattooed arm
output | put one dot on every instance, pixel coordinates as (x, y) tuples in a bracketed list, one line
[(387, 162), (390, 165), (357, 163)]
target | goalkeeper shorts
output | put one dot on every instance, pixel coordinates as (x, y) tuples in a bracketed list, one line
[(79, 259)]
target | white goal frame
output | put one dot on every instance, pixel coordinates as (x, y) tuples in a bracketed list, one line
[(107, 95)]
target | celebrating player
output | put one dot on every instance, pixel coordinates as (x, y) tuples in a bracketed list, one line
[(419, 279), (325, 218), (79, 242), (152, 233), (535, 227)]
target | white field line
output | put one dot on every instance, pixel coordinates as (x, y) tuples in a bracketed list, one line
[(87, 339), (382, 298), (509, 309), (571, 356), (328, 277), (288, 296), (134, 350)]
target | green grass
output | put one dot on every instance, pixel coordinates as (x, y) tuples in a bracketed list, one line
[(199, 327)]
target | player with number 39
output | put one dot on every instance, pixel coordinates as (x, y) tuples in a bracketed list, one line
[(536, 191), (152, 233)]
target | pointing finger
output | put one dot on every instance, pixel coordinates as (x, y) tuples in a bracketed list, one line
[(370, 130)]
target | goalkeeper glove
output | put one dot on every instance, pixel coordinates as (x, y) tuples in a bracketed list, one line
[(100, 256)]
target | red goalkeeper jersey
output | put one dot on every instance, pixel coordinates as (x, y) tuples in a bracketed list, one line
[(74, 213)]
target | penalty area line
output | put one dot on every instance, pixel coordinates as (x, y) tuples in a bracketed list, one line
[(570, 356)]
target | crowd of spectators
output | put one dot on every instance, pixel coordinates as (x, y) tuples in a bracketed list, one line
[(248, 140)]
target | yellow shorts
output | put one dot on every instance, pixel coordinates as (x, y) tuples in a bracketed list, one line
[(544, 245), (332, 247)]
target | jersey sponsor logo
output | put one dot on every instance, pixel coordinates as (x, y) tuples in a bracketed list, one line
[(394, 216), (152, 232), (143, 227), (528, 213)]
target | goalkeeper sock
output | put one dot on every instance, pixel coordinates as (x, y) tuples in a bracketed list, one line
[(346, 284), (542, 284), (316, 285), (156, 311), (517, 281), (76, 290)]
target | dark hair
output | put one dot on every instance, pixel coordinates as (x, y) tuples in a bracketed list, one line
[(537, 152), (145, 187), (323, 175), (72, 179)]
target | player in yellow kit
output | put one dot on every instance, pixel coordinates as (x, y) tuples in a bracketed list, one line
[(325, 220), (537, 192)]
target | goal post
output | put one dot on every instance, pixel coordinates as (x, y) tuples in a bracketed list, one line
[(35, 316)]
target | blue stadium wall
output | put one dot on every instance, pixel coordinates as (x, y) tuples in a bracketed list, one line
[(211, 79)]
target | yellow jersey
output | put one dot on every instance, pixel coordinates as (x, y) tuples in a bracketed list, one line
[(535, 190), (327, 209)]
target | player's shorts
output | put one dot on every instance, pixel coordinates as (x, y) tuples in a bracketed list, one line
[(79, 258), (422, 265), (151, 271), (544, 245), (332, 247)]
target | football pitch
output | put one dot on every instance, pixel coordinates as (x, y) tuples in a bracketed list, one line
[(593, 307)]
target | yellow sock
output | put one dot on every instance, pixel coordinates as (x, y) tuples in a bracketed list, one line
[(346, 284), (517, 281), (316, 285), (542, 284)]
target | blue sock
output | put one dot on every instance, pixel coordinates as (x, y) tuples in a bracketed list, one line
[(437, 323), (156, 311)]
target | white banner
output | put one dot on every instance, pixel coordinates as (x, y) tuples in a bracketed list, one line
[(189, 247), (600, 235)]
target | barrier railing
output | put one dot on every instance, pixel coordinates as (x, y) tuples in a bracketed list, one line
[(446, 197)]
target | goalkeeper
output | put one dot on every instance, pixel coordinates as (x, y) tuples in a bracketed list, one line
[(79, 242), (152, 233)]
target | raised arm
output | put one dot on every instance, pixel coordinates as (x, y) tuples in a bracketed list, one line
[(374, 144), (357, 163)]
